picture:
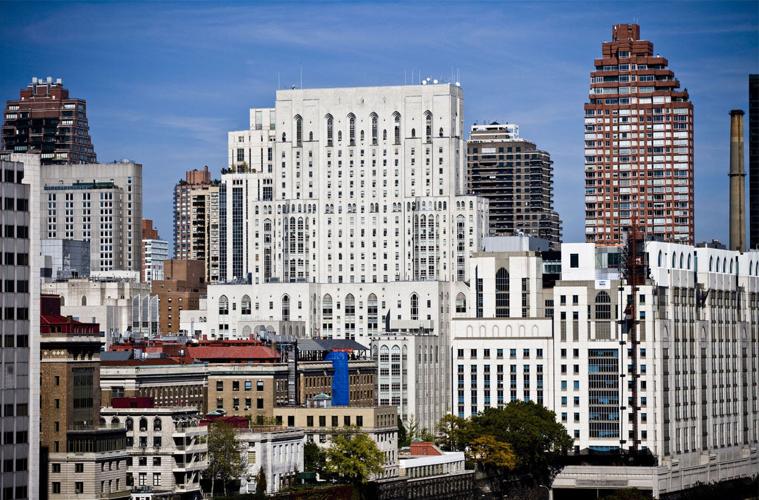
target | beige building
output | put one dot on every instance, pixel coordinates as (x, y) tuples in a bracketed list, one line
[(247, 390), (168, 448), (168, 384), (256, 390), (276, 450), (100, 203), (321, 423)]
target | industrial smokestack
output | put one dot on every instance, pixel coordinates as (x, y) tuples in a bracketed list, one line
[(737, 183)]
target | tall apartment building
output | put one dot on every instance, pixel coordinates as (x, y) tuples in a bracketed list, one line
[(353, 185), (44, 120), (753, 160), (154, 252), (671, 367), (81, 456), (638, 145), (196, 223), (19, 191), (517, 179), (100, 203)]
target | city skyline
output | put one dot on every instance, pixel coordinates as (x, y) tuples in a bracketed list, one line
[(170, 129)]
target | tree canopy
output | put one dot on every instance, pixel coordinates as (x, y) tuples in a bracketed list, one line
[(224, 454), (533, 436), (531, 430), (354, 458), (488, 452)]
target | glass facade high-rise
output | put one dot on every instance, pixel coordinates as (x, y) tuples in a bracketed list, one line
[(638, 145)]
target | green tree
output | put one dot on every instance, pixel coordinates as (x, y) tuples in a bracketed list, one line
[(224, 455), (354, 458), (535, 436), (313, 457), (425, 435), (451, 431), (403, 437), (261, 482), (487, 452)]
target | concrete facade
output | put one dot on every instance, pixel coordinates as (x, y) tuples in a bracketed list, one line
[(359, 185), (100, 203)]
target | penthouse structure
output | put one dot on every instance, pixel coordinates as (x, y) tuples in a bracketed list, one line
[(638, 145), (517, 179), (44, 120)]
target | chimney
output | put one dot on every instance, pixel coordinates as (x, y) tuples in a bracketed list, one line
[(737, 183)]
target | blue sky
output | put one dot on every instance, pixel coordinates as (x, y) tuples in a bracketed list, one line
[(164, 82)]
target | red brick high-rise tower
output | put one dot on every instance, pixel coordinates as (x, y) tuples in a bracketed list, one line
[(45, 120), (638, 145)]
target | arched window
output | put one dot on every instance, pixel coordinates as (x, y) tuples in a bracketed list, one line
[(461, 303), (384, 134), (372, 313), (223, 305), (603, 306), (724, 264), (63, 302), (350, 305), (374, 128), (327, 315), (285, 308), (681, 261), (339, 136), (351, 129), (298, 130), (659, 259), (143, 424), (688, 261), (245, 305), (674, 259), (310, 135), (129, 423), (362, 136), (284, 137), (156, 424), (397, 127), (350, 317), (731, 266), (414, 306), (114, 421), (428, 127), (711, 263), (330, 127), (502, 298), (413, 133), (440, 132)]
